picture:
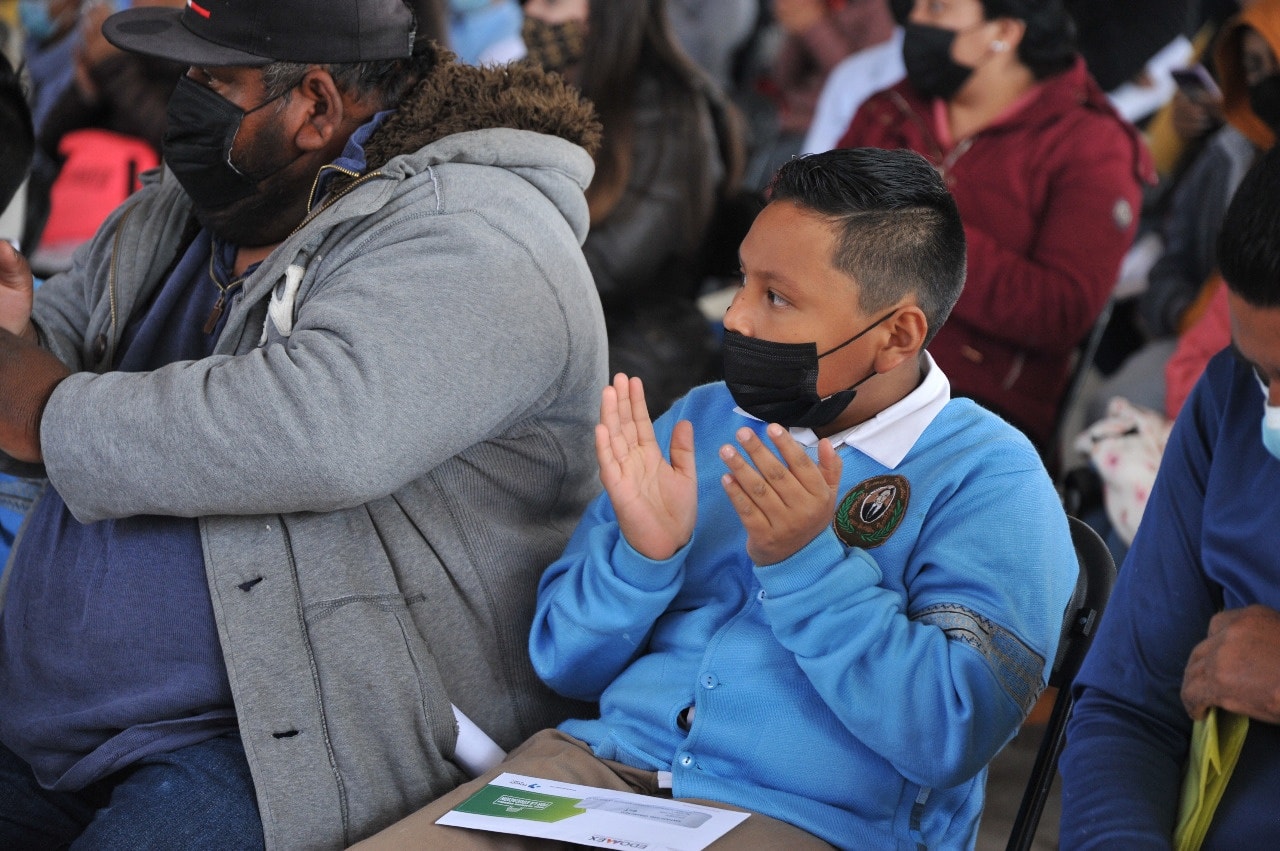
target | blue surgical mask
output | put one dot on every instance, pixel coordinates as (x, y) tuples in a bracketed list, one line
[(1270, 418), (463, 7), (36, 22), (1271, 430)]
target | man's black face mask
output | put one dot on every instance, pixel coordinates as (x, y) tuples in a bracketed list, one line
[(202, 128)]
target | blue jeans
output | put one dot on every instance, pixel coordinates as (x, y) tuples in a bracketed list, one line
[(16, 497), (195, 797)]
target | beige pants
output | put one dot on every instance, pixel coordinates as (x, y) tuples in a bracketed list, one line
[(555, 756)]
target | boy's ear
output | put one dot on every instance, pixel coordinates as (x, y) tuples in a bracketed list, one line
[(907, 330)]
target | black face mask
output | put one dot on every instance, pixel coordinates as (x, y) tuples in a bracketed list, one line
[(1264, 100), (926, 51), (901, 11), (202, 127), (778, 382)]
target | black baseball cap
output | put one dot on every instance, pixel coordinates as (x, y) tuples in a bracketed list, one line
[(257, 32)]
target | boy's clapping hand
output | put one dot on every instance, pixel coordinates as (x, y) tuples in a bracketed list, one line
[(783, 503), (656, 502)]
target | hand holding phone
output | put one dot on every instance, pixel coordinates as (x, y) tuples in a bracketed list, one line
[(1197, 83)]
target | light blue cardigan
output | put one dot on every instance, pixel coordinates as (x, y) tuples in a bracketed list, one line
[(856, 693)]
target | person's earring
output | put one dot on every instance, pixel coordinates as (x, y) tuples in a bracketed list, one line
[(998, 46)]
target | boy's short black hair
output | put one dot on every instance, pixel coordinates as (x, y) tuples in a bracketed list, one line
[(17, 143), (1249, 242), (899, 229)]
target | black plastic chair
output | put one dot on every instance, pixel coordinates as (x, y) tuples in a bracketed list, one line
[(1082, 360), (1093, 588)]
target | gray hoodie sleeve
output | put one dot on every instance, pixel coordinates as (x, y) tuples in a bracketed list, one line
[(74, 307), (64, 310), (411, 342)]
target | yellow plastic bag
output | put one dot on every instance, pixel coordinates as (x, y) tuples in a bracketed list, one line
[(1216, 742)]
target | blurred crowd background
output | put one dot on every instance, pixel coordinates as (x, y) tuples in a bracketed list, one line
[(1092, 146)]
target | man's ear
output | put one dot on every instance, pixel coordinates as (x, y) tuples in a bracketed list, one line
[(906, 332), (326, 111)]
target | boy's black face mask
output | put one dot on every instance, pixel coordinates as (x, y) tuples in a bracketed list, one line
[(778, 382)]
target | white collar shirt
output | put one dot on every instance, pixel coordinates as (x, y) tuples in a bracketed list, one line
[(889, 435)]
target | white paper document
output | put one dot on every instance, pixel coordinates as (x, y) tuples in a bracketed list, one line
[(475, 751), (588, 815)]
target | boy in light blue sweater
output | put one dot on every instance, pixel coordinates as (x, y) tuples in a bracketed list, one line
[(822, 591)]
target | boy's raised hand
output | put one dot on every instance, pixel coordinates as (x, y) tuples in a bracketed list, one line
[(783, 503), (656, 502)]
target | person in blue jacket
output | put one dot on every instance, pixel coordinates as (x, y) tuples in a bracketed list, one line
[(1194, 621), (820, 591)]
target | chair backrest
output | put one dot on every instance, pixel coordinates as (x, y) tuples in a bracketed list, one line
[(1093, 588), (1082, 360)]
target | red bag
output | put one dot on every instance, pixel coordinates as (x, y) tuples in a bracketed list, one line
[(100, 171)]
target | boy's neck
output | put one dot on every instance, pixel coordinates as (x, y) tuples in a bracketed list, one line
[(876, 394)]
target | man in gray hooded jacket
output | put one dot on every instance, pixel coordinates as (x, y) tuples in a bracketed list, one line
[(315, 408)]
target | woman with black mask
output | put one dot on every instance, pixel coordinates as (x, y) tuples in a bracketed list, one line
[(1184, 308), (1048, 180), (663, 166), (1181, 281)]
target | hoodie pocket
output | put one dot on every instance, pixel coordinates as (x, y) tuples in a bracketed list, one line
[(387, 712)]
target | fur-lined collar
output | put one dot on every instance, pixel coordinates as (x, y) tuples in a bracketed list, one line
[(455, 98)]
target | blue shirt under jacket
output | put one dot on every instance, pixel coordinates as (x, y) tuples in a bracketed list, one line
[(1208, 541)]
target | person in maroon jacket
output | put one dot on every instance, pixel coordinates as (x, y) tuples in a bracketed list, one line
[(817, 35), (1048, 179)]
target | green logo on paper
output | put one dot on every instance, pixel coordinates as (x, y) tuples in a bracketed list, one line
[(501, 802)]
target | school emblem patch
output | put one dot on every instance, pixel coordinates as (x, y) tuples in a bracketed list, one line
[(871, 511)]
